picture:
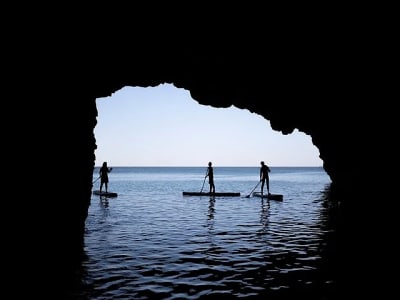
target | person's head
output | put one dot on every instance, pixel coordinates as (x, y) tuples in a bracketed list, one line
[(210, 163), (262, 163), (104, 164)]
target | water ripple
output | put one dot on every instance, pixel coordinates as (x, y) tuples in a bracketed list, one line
[(161, 245)]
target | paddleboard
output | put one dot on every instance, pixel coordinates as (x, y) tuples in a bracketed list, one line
[(105, 194), (217, 194)]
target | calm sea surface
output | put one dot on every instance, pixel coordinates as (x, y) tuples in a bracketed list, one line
[(153, 243)]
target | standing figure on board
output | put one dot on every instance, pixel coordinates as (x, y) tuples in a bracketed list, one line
[(210, 174), (264, 177), (104, 170)]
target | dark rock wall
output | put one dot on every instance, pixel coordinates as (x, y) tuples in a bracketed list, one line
[(324, 92)]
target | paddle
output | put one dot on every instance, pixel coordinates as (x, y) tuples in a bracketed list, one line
[(248, 196), (96, 180), (203, 184)]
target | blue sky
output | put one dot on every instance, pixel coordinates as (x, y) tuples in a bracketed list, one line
[(164, 126)]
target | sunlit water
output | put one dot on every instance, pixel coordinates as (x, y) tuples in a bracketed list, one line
[(153, 243)]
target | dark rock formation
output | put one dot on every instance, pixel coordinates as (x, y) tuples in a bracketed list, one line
[(328, 89)]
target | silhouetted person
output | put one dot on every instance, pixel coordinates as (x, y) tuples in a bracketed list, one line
[(210, 174), (264, 176), (104, 170)]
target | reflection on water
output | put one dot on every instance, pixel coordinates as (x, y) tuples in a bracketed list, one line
[(265, 204), (211, 211), (256, 255), (210, 247)]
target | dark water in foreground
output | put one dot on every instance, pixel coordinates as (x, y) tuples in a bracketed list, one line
[(153, 243)]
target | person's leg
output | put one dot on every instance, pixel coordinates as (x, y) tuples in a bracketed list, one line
[(268, 185), (262, 186), (211, 182), (106, 184)]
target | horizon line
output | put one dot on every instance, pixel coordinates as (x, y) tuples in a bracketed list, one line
[(205, 166)]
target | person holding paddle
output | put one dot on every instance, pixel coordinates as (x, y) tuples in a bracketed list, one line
[(264, 176), (210, 174), (104, 170)]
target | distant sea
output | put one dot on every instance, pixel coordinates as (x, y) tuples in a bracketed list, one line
[(151, 242)]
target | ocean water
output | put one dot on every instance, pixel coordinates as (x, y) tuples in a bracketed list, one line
[(151, 242)]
